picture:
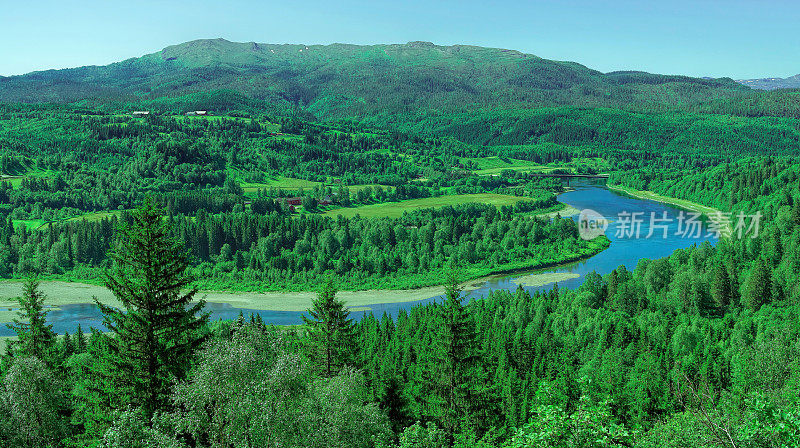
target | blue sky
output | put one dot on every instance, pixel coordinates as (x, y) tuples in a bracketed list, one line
[(736, 38)]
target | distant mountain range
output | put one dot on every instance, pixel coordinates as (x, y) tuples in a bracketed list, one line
[(341, 80), (792, 82)]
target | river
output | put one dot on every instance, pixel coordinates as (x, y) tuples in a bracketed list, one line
[(624, 250)]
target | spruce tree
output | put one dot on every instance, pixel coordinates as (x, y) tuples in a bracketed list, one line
[(157, 330), (721, 287), (35, 337), (758, 287), (454, 373), (80, 340), (330, 330)]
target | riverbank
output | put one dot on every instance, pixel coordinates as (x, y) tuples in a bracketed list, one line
[(712, 214), (60, 293)]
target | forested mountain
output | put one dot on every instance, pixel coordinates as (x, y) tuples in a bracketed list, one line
[(341, 81), (792, 82)]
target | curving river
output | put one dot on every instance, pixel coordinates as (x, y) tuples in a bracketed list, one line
[(624, 250)]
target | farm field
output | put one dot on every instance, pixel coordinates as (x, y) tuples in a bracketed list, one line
[(396, 209), (282, 182), (495, 165), (294, 184)]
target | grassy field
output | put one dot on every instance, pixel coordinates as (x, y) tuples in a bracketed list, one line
[(294, 184), (537, 280), (495, 165), (711, 213), (30, 224), (396, 209), (285, 183), (58, 293), (96, 216)]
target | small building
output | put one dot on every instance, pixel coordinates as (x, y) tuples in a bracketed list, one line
[(141, 113), (196, 112), (294, 201)]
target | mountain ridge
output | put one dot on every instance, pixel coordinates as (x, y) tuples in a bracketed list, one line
[(791, 82), (346, 80)]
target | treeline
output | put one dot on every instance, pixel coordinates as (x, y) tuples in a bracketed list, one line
[(238, 249)]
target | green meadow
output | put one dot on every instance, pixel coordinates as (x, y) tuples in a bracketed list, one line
[(396, 209)]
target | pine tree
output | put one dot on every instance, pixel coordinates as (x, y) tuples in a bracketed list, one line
[(35, 337), (795, 216), (66, 348), (454, 374), (157, 331), (721, 287), (758, 287), (330, 330), (80, 340)]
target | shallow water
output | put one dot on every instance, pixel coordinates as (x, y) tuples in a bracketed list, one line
[(587, 195)]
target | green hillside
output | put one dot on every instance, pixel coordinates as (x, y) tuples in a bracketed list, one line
[(352, 81)]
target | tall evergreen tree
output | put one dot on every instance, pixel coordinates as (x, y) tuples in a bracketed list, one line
[(330, 330), (758, 287), (80, 340), (35, 337), (721, 287), (158, 329), (454, 373)]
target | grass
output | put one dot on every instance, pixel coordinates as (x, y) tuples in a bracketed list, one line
[(294, 184), (396, 209), (537, 280), (16, 179), (96, 216), (711, 213), (58, 293), (34, 224), (30, 224), (495, 165), (282, 182)]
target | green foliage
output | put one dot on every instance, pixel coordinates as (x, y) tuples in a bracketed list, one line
[(131, 430), (255, 390), (696, 349), (418, 436), (35, 337), (330, 330), (453, 377), (156, 333), (758, 287), (33, 403), (591, 425), (279, 251)]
